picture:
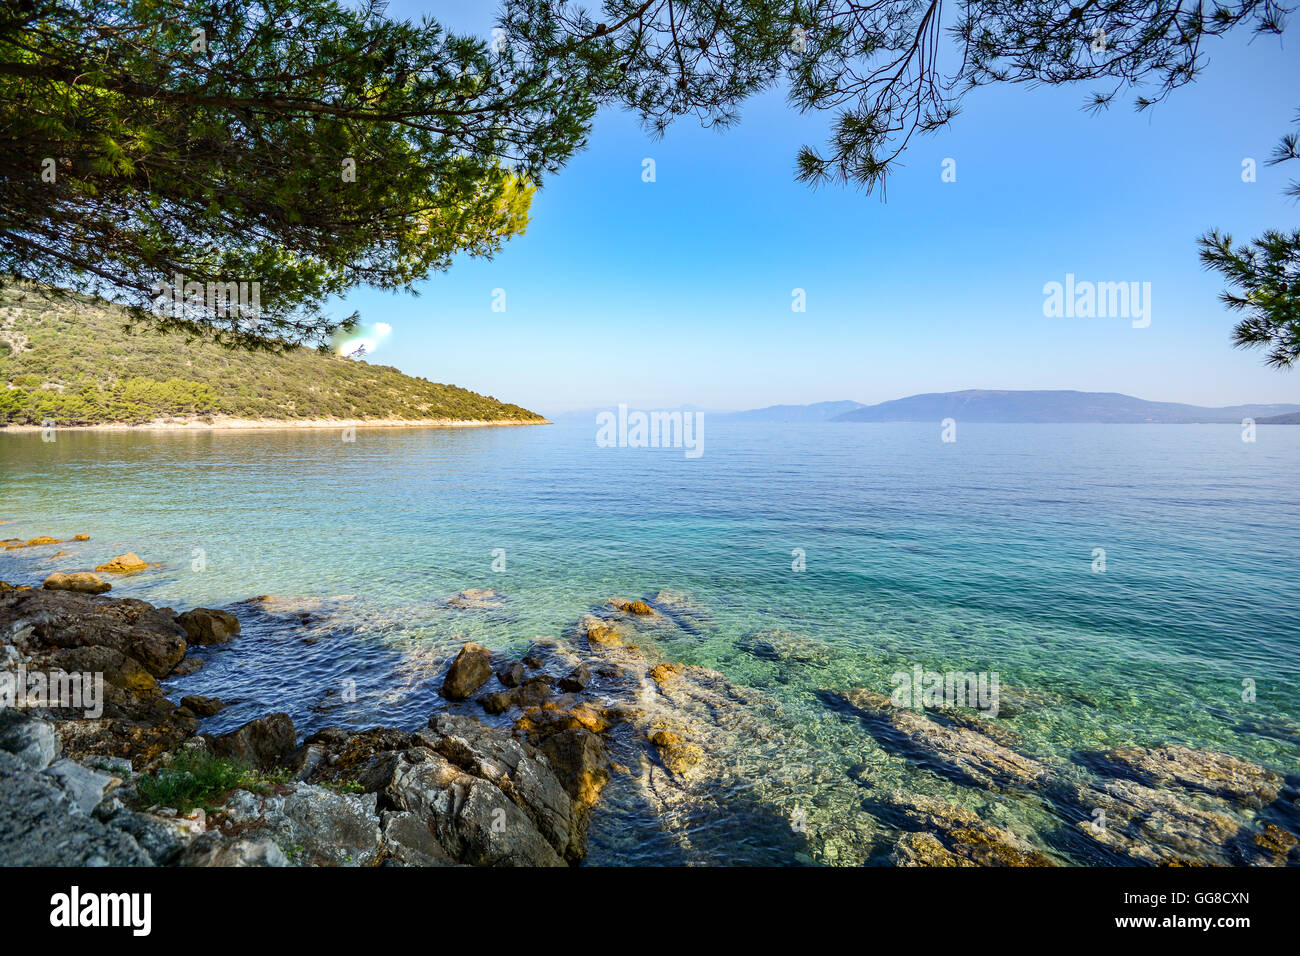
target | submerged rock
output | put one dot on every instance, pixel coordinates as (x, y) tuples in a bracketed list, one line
[(12, 544), (483, 599), (1173, 805), (943, 834), (632, 607), (203, 706), (1174, 766), (577, 679), (967, 751), (678, 754), (786, 647)]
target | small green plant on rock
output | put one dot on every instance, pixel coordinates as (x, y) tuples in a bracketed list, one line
[(197, 779)]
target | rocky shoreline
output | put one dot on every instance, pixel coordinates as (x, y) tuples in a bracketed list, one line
[(522, 753)]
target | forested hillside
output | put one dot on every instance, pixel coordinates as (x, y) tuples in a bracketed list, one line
[(73, 363)]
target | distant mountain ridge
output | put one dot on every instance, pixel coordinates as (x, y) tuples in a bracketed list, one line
[(1021, 407), (817, 412)]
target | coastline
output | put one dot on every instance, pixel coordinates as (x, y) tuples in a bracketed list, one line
[(596, 706), (224, 423)]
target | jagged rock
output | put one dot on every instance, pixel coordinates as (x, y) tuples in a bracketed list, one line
[(204, 625), (215, 849), (498, 702), (141, 741), (265, 743), (83, 582), (555, 716), (468, 672), (161, 839), (473, 820), (531, 693), (581, 762), (322, 827), (514, 768), (42, 825), (123, 564), (84, 787), (118, 669), (28, 738), (340, 755), (188, 666), (409, 841)]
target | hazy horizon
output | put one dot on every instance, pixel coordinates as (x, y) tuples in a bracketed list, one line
[(725, 410)]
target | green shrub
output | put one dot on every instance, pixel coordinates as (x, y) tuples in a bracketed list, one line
[(198, 779)]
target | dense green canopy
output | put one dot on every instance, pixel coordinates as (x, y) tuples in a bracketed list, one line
[(297, 144)]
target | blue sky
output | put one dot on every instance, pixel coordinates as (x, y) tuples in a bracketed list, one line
[(679, 291)]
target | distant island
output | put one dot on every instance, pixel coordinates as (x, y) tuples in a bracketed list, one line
[(1021, 407), (71, 362)]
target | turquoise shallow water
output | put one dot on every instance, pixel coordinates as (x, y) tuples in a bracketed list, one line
[(972, 556)]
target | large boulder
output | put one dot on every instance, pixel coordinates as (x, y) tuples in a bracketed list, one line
[(468, 672), (472, 819), (264, 744), (205, 625), (513, 767), (409, 841), (83, 582)]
